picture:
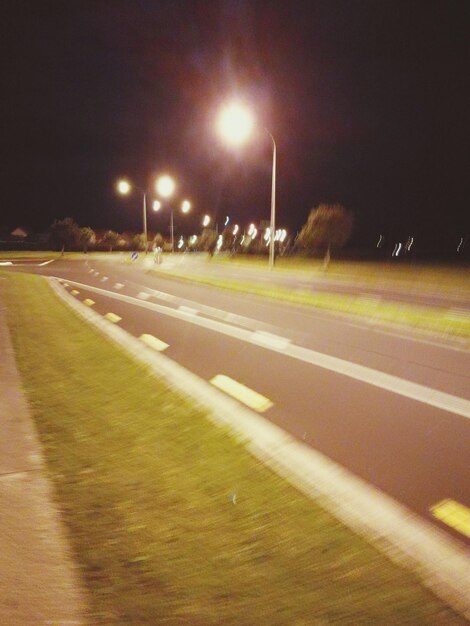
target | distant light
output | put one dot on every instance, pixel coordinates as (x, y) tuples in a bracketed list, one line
[(251, 228), (165, 186), (283, 235), (180, 243), (236, 228), (157, 205), (379, 243), (220, 241), (460, 244), (123, 187), (409, 243), (267, 234), (254, 232), (396, 250), (193, 239), (186, 206), (206, 221), (235, 123), (227, 220)]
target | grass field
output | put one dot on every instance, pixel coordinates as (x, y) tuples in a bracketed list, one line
[(146, 486)]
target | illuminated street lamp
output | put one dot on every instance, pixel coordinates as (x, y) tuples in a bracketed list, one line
[(124, 187), (206, 220), (235, 124), (165, 187)]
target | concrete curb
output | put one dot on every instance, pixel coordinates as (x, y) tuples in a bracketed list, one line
[(442, 564), (40, 583)]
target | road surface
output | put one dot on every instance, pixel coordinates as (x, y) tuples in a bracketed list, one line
[(392, 408)]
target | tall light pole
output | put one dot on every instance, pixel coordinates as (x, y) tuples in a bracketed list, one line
[(272, 225), (124, 187), (236, 124), (165, 187)]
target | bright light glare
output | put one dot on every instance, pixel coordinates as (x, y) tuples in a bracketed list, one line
[(165, 186), (186, 206), (157, 205), (236, 229), (235, 123), (251, 228), (180, 243), (206, 221), (123, 187)]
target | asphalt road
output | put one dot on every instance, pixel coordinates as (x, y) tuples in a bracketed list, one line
[(394, 409)]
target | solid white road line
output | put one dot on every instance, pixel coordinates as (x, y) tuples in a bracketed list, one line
[(187, 310), (382, 380)]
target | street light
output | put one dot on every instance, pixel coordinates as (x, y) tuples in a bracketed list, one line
[(235, 124), (165, 187), (206, 220), (124, 187)]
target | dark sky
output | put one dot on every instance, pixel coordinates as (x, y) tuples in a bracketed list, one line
[(368, 102)]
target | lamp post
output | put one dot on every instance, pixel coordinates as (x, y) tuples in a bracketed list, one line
[(165, 187), (124, 187), (236, 124)]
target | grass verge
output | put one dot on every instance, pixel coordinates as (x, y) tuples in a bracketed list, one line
[(146, 487)]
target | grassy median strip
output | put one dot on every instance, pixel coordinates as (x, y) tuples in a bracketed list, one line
[(171, 520), (450, 322)]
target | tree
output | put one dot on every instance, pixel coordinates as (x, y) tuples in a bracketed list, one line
[(110, 239), (64, 234), (138, 242), (87, 237), (328, 227)]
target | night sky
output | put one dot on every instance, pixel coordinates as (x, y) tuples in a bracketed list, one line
[(368, 102)]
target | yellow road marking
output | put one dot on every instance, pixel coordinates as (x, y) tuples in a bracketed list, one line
[(88, 302), (153, 342), (237, 390), (454, 514), (74, 292), (112, 317)]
